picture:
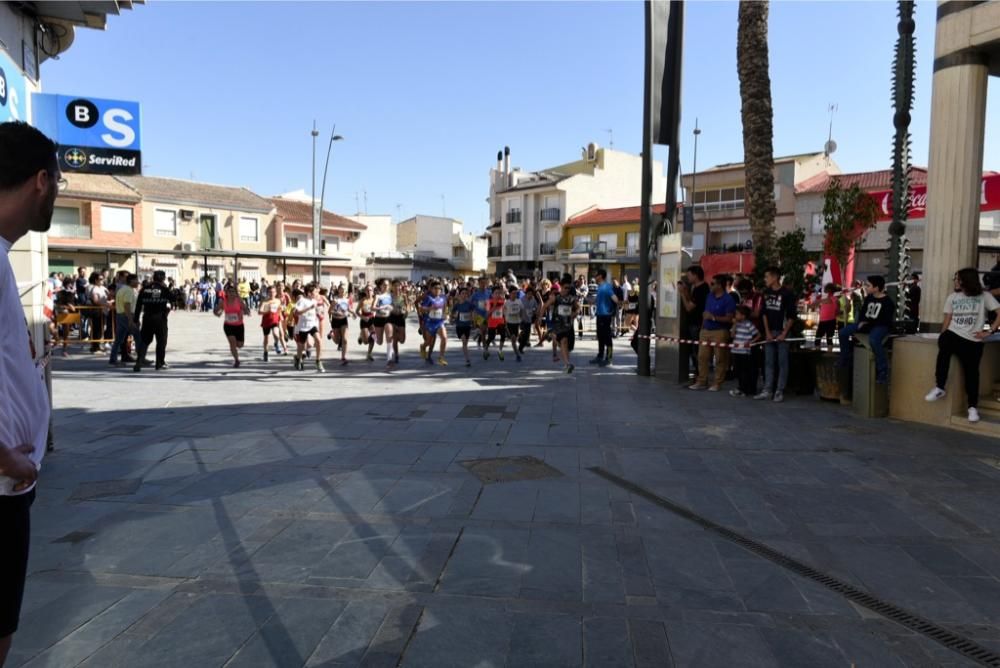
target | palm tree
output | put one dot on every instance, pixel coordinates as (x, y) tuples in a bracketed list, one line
[(758, 151)]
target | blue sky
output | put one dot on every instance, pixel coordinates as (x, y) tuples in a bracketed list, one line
[(426, 93)]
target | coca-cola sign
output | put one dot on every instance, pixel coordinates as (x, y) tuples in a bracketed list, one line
[(989, 199)]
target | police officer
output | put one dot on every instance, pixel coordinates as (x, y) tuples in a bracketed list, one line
[(156, 301)]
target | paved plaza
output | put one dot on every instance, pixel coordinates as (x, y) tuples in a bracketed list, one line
[(210, 516)]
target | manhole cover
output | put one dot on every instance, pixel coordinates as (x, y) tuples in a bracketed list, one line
[(100, 488), (74, 537), (510, 469), (479, 411)]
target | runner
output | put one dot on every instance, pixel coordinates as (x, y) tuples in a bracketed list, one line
[(279, 331), (461, 315), (514, 316), (322, 308), (495, 322), (432, 307), (566, 306), (480, 298), (383, 328), (234, 308), (397, 318), (340, 309), (307, 326), (532, 313), (366, 314), (270, 318)]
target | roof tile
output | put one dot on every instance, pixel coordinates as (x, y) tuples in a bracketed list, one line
[(628, 214), (294, 211), (869, 181), (158, 188)]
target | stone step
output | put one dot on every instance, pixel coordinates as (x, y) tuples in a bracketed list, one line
[(989, 422)]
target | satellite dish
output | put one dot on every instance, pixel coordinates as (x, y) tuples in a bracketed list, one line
[(830, 147)]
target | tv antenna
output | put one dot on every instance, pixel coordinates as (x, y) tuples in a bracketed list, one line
[(830, 146), (611, 137), (365, 192), (399, 213)]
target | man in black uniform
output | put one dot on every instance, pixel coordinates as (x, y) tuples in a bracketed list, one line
[(156, 300)]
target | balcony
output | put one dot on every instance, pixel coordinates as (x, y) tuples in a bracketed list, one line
[(514, 216), (493, 251), (512, 249), (550, 215), (547, 249), (69, 231)]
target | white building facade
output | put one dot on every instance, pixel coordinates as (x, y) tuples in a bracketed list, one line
[(528, 209)]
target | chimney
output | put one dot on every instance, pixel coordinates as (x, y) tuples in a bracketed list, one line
[(499, 161), (506, 165)]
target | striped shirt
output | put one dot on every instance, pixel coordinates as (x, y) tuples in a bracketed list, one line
[(743, 333)]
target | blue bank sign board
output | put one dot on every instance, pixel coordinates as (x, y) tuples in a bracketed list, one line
[(94, 136), (13, 101)]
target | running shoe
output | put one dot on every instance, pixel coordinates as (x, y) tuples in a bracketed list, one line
[(319, 367), (369, 357), (518, 358), (297, 363), (236, 364), (442, 361), (934, 394), (569, 368), (486, 354), (429, 361), (163, 366), (468, 363), (596, 360), (265, 354), (343, 362), (500, 355)]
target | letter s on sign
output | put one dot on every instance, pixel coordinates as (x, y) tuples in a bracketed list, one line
[(113, 122)]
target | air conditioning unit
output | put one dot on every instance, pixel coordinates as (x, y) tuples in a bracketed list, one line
[(187, 214), (189, 247)]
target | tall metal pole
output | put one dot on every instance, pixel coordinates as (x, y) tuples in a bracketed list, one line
[(694, 170), (322, 193), (315, 220), (646, 219)]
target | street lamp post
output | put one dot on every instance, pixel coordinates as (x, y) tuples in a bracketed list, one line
[(315, 218), (318, 211), (694, 179)]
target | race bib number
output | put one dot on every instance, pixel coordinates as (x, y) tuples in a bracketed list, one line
[(482, 304), (384, 311), (232, 317), (436, 314), (497, 315), (464, 317), (564, 310)]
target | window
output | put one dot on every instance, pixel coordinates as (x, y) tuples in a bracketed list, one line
[(581, 242), (165, 223), (719, 199), (331, 244), (248, 229), (608, 241), (116, 219), (632, 242), (292, 242), (66, 223), (817, 223)]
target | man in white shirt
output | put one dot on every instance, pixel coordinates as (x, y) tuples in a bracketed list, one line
[(29, 182)]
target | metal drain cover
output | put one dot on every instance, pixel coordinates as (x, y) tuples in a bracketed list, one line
[(510, 469), (480, 411), (101, 488)]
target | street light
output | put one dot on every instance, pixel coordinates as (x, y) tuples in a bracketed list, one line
[(318, 213), (694, 180)]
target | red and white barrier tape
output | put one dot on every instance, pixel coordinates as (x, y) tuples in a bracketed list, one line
[(815, 298), (711, 344)]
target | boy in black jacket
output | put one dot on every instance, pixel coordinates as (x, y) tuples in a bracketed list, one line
[(877, 315)]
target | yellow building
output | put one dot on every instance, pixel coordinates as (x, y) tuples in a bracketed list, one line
[(602, 238)]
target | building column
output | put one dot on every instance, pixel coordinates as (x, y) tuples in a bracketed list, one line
[(954, 174)]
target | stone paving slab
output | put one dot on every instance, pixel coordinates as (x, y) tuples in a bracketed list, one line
[(209, 516)]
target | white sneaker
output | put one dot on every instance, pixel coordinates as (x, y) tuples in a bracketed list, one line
[(779, 397), (935, 394), (735, 393), (763, 396), (973, 415)]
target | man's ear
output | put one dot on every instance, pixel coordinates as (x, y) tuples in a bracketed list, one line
[(42, 181)]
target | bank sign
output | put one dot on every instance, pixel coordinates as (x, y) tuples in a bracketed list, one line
[(94, 136), (13, 102)]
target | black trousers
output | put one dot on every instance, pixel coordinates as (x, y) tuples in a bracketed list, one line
[(969, 354), (746, 372), (604, 339), (153, 326), (15, 518)]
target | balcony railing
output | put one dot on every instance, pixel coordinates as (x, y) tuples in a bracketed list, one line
[(493, 251), (70, 231), (547, 249), (552, 214), (514, 216), (512, 249)]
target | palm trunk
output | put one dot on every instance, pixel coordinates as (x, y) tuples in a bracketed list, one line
[(757, 114)]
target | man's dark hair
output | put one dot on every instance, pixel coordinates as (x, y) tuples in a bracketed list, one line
[(602, 274), (697, 271), (745, 310), (159, 275), (24, 151), (131, 277), (877, 281), (774, 271)]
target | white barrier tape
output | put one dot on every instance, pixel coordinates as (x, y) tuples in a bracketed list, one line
[(711, 344), (814, 298)]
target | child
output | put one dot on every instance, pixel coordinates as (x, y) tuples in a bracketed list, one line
[(828, 308), (495, 322), (744, 334), (877, 316), (462, 315), (513, 315)]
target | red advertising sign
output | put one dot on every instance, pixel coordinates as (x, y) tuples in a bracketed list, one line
[(989, 199)]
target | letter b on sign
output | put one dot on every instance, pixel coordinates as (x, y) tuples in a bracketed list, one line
[(82, 113)]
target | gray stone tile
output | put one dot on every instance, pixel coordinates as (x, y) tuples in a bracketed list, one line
[(458, 637), (719, 645), (541, 641), (606, 643)]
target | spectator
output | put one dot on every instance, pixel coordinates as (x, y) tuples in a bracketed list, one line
[(877, 312), (779, 316), (827, 315), (962, 335), (744, 334), (694, 293), (913, 297), (717, 320)]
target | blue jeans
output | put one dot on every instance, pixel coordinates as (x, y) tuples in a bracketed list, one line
[(775, 351), (876, 339), (121, 333)]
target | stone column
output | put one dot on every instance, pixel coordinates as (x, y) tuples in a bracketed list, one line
[(954, 174)]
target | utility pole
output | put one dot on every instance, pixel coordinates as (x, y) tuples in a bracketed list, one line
[(315, 218), (694, 179)]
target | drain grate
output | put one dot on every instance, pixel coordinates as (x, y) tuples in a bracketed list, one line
[(953, 641), (510, 469)]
